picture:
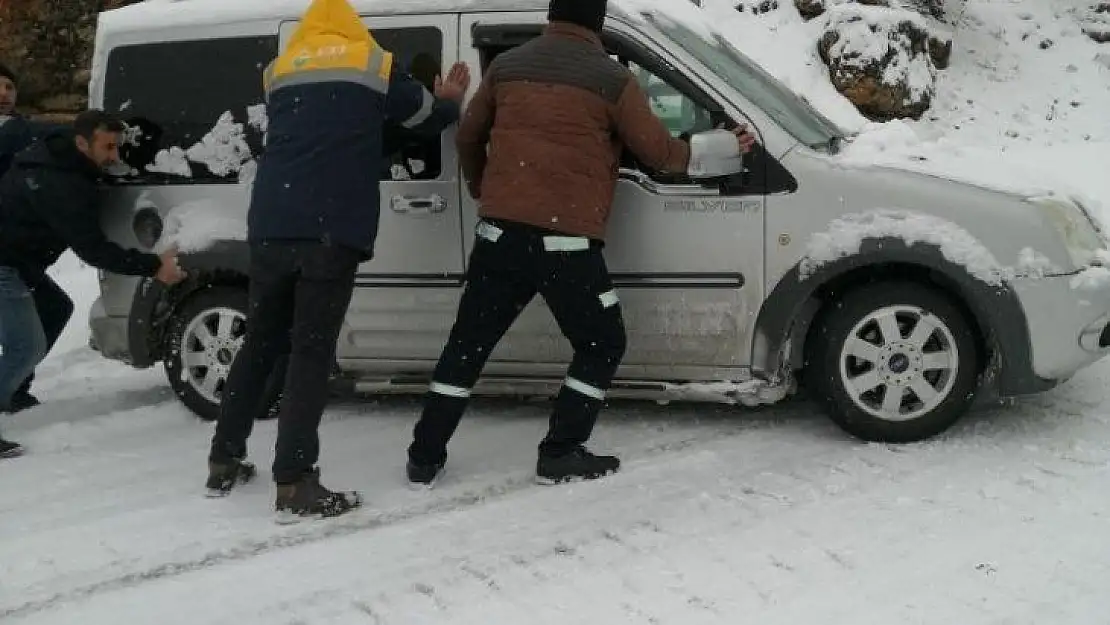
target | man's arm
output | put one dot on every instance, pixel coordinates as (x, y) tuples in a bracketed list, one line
[(474, 133), (414, 107), (71, 211), (645, 135)]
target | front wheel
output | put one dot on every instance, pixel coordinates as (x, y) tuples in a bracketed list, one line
[(203, 340), (894, 362)]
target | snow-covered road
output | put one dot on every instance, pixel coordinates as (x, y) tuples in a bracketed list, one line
[(718, 517)]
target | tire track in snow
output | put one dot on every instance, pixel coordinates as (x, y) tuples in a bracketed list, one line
[(916, 478), (318, 531), (789, 483), (790, 472)]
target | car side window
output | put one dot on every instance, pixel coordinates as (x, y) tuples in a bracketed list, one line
[(408, 155), (188, 106), (681, 114)]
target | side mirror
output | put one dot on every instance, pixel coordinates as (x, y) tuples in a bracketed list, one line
[(714, 154)]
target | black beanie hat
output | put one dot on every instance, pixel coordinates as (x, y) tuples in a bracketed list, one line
[(7, 73), (586, 13)]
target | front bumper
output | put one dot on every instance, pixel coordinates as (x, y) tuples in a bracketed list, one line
[(1069, 322), (108, 334)]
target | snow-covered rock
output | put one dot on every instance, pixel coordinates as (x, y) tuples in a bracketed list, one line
[(883, 54), (931, 8), (940, 10), (816, 8), (757, 7), (1097, 22), (880, 59)]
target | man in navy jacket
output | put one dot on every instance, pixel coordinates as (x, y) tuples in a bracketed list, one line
[(16, 131), (313, 219), (49, 203)]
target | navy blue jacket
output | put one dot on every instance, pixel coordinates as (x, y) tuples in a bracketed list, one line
[(49, 202), (318, 176), (16, 135)]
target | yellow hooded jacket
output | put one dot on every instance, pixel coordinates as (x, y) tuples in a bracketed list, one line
[(328, 97), (331, 43)]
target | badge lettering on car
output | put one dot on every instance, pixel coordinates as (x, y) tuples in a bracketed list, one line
[(713, 206)]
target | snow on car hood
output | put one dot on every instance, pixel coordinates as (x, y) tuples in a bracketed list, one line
[(1066, 171)]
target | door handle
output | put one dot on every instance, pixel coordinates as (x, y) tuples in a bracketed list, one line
[(657, 188), (418, 205)]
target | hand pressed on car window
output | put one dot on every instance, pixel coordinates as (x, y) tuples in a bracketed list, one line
[(454, 86)]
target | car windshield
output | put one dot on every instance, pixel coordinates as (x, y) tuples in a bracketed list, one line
[(790, 111)]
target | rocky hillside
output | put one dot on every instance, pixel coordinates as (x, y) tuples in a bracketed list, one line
[(49, 44), (884, 55)]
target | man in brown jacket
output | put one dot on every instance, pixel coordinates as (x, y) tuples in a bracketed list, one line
[(556, 114)]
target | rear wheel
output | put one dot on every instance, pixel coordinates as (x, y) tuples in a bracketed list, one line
[(203, 340), (894, 362)]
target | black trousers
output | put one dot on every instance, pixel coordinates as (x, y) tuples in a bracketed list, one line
[(509, 265), (299, 294), (55, 309)]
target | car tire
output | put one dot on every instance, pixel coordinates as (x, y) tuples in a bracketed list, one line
[(202, 342), (894, 362)]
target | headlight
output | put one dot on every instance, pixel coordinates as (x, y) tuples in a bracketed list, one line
[(1079, 231)]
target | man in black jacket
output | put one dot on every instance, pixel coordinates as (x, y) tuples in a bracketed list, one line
[(16, 133), (49, 204)]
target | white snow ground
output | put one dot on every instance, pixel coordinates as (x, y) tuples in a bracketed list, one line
[(719, 516)]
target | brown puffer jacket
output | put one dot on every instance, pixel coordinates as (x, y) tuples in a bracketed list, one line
[(555, 113)]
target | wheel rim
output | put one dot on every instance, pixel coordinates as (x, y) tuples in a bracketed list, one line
[(208, 347), (899, 363)]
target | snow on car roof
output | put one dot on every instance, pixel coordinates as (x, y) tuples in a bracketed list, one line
[(157, 14)]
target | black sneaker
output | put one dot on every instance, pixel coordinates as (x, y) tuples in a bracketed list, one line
[(10, 449), (22, 400), (308, 498), (423, 475), (224, 476), (575, 466)]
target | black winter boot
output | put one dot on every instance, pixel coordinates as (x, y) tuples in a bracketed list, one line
[(224, 476), (10, 449), (22, 400), (309, 498), (577, 465), (423, 475)]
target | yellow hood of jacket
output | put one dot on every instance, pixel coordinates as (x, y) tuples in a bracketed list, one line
[(331, 37)]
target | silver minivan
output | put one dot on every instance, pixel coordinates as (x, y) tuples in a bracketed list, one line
[(894, 297)]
